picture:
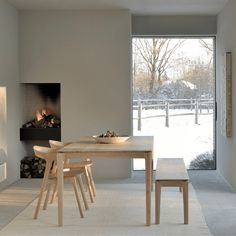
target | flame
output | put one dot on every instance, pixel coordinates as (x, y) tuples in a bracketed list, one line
[(41, 113)]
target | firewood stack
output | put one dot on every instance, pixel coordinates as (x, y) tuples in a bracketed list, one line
[(32, 167)]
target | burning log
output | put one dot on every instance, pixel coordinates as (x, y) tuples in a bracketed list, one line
[(44, 119)]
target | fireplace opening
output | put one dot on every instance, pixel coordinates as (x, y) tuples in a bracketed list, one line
[(41, 112)]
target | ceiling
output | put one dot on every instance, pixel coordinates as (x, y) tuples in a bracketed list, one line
[(139, 7)]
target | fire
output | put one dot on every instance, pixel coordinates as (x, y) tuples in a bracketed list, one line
[(40, 114), (44, 118)]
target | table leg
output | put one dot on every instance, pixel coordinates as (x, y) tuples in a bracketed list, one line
[(185, 198), (148, 165), (60, 186)]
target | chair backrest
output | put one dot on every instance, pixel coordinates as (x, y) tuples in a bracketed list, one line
[(44, 153), (56, 144)]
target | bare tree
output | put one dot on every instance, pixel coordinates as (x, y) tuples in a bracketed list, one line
[(208, 46), (156, 54)]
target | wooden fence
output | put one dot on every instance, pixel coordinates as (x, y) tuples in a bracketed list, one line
[(195, 107)]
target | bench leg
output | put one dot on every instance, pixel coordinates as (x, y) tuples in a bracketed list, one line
[(157, 201), (185, 201)]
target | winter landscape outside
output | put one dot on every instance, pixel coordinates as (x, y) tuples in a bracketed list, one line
[(174, 98)]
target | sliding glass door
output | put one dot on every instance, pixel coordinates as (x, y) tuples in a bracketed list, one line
[(174, 98)]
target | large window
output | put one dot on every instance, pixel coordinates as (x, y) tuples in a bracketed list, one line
[(174, 98)]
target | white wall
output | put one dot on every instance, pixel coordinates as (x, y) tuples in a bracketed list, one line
[(10, 145), (89, 53), (226, 41)]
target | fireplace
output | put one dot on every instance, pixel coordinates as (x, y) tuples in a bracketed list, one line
[(41, 112), (41, 121)]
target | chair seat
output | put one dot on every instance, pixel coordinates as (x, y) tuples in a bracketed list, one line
[(68, 173), (78, 164)]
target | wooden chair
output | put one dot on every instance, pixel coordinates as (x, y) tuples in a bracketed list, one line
[(50, 176), (85, 165)]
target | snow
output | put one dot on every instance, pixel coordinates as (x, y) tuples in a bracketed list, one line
[(189, 85), (183, 138), (186, 83)]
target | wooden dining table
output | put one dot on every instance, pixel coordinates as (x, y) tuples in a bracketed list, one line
[(134, 147)]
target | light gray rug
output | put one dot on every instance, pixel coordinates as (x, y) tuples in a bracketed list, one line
[(119, 210)]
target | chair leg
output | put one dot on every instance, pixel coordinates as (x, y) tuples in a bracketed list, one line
[(47, 197), (42, 189), (92, 181), (89, 185), (84, 182), (74, 183), (81, 185), (54, 192)]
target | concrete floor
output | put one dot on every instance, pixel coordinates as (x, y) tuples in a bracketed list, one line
[(218, 201), (216, 197), (16, 198)]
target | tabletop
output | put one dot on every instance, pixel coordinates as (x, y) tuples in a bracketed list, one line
[(88, 144)]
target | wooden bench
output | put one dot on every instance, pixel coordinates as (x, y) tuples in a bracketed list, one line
[(171, 172)]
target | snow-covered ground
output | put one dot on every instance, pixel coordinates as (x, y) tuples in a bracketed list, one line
[(183, 138)]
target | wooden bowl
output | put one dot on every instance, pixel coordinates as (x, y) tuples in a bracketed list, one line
[(111, 140)]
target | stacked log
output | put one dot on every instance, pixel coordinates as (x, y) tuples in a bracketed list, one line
[(32, 167)]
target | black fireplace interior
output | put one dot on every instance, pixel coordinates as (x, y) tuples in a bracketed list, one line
[(49, 91), (41, 112)]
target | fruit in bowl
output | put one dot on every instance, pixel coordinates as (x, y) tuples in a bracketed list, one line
[(110, 137), (108, 134)]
